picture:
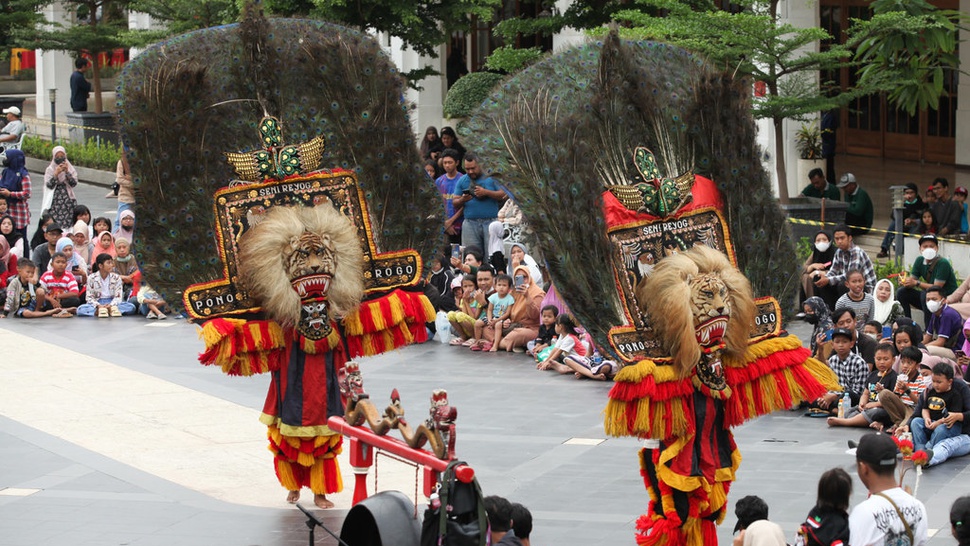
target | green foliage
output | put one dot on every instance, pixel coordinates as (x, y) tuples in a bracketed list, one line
[(803, 249), (890, 267), (908, 49), (25, 74), (808, 141), (423, 26), (16, 14), (469, 92), (102, 26), (91, 154), (508, 59), (182, 16)]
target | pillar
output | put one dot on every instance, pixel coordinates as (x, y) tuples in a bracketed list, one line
[(963, 105), (54, 72)]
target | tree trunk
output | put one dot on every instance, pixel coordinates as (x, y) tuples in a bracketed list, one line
[(780, 161)]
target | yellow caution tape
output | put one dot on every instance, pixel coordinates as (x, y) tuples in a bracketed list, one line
[(830, 225)]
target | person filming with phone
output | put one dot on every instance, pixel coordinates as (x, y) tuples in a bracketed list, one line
[(481, 198)]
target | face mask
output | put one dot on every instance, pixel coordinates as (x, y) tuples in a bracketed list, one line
[(929, 253), (823, 246), (933, 306), (811, 319), (909, 202), (873, 336), (60, 160)]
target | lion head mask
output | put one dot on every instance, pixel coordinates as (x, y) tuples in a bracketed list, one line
[(697, 302), (303, 266)]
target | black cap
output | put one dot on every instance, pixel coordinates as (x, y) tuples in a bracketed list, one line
[(912, 186), (929, 237), (877, 450), (749, 510), (53, 227), (842, 332)]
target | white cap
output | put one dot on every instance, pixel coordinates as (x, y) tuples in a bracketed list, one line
[(12, 110), (847, 178)]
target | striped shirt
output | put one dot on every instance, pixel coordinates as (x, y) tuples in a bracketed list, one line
[(56, 284), (864, 309)]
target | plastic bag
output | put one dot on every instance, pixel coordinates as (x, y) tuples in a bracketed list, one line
[(443, 327)]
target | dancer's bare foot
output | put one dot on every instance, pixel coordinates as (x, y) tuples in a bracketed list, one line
[(293, 496), (322, 502), (876, 425)]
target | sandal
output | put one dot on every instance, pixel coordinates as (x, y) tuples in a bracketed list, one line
[(62, 314), (487, 347), (476, 347), (456, 342), (469, 342), (114, 311), (102, 312)]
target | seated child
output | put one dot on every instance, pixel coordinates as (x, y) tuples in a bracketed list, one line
[(828, 521), (568, 344), (82, 247), (850, 368), (870, 410), (593, 366), (60, 287), (499, 308), (874, 330), (127, 268), (547, 330), (857, 299), (151, 303), (22, 298), (936, 418), (469, 309), (104, 292), (100, 225)]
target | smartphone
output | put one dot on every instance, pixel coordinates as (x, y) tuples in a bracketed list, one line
[(887, 331), (456, 251), (828, 335), (519, 280), (466, 192)]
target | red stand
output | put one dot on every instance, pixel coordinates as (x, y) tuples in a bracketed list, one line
[(363, 441)]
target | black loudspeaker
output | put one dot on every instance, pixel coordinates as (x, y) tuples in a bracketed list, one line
[(384, 519)]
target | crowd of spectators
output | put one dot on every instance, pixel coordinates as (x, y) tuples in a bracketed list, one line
[(73, 265)]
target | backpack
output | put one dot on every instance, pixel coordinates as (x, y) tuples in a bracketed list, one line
[(460, 519)]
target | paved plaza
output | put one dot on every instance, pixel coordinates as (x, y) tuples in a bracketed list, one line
[(111, 433)]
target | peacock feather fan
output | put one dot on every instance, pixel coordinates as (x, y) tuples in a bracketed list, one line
[(561, 131), (185, 102)]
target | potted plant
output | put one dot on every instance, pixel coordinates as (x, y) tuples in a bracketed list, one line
[(808, 143)]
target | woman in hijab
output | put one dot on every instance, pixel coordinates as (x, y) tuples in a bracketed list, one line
[(818, 315), (75, 264), (104, 245), (519, 256), (816, 265), (431, 145), (15, 239), (886, 306), (60, 179), (522, 325), (15, 188)]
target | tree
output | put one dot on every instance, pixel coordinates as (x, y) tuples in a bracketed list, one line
[(752, 43), (16, 14), (908, 48), (422, 26), (182, 16), (101, 26)]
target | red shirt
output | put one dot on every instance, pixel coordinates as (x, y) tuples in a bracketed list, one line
[(55, 284)]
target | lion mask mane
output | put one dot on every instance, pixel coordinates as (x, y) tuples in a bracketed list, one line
[(294, 242), (684, 290)]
